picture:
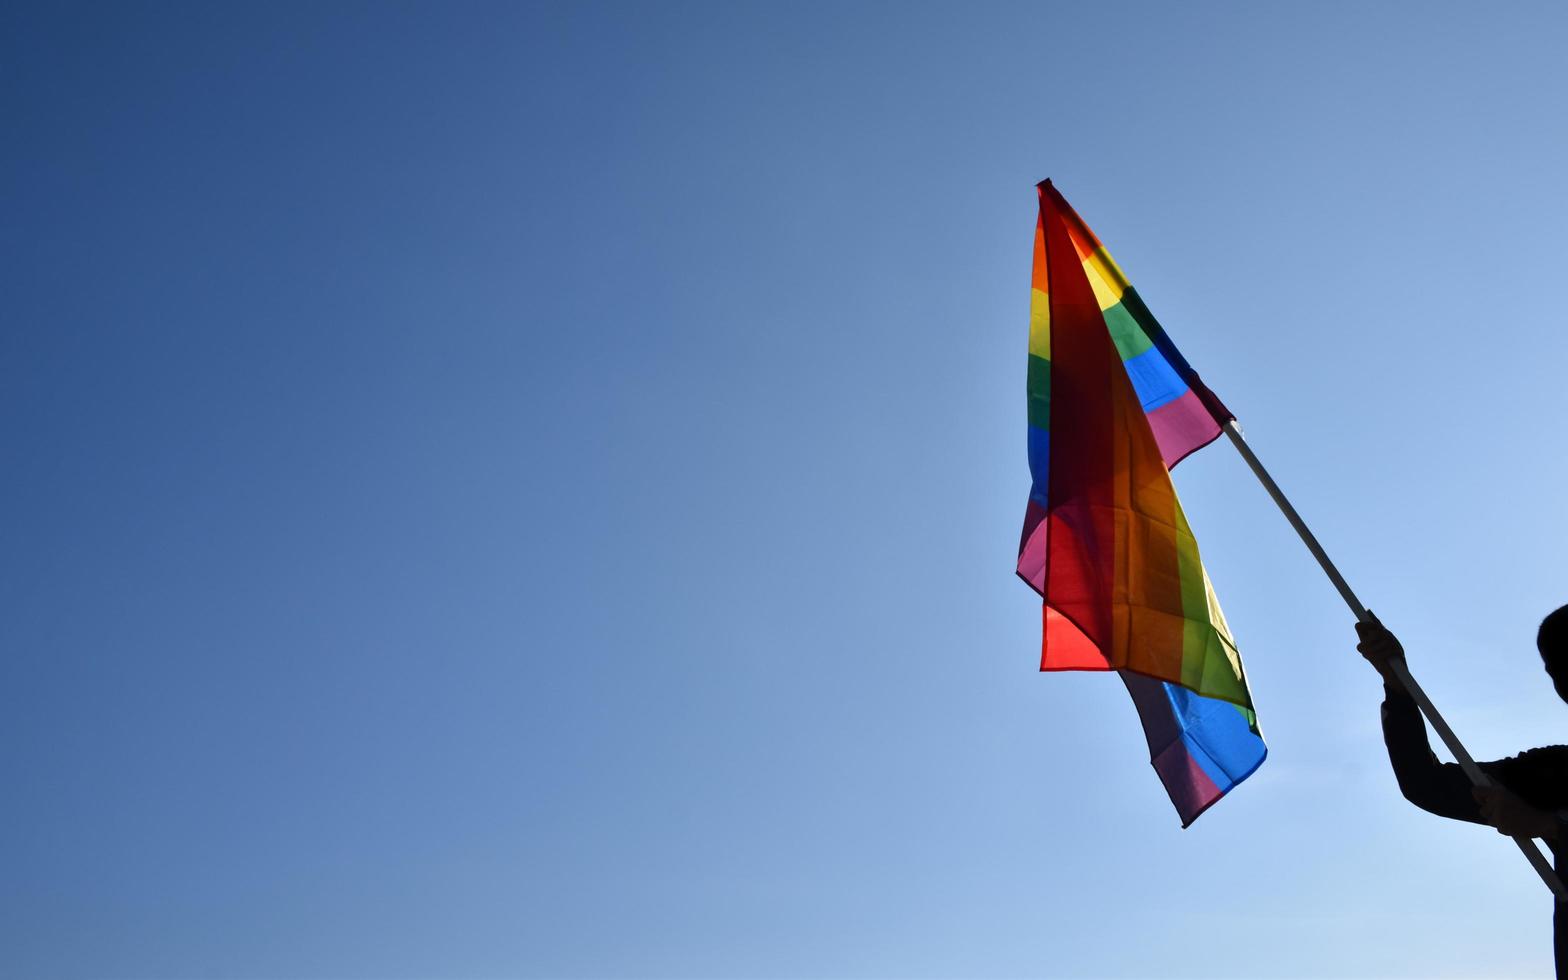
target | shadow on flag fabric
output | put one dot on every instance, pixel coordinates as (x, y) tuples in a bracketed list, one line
[(1112, 406)]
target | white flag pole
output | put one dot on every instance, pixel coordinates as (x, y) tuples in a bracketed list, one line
[(1401, 672)]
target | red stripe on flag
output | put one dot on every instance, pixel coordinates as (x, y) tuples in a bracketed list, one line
[(1080, 550)]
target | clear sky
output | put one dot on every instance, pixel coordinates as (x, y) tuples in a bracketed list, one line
[(528, 490)]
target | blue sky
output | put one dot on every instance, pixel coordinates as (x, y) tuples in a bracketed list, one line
[(532, 490)]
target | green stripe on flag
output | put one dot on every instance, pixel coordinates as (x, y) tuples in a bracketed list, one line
[(1040, 393), (1126, 331)]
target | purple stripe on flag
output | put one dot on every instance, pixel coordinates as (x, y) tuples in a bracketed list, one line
[(1031, 551), (1181, 427), (1190, 788)]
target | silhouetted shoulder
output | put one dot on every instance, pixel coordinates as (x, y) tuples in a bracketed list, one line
[(1538, 776)]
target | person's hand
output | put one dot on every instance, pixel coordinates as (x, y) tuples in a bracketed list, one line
[(1380, 647), (1512, 816)]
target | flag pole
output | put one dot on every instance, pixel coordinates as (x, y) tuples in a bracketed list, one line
[(1400, 670)]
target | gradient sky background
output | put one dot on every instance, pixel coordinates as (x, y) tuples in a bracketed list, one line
[(528, 490)]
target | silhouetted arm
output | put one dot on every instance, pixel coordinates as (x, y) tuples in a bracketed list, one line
[(1437, 787), (1527, 787), (1528, 794)]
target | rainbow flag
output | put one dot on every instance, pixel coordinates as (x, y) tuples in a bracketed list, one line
[(1112, 406)]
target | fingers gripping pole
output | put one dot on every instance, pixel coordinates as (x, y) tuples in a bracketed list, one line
[(1401, 672)]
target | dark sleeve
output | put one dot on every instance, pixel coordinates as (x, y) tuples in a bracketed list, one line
[(1538, 776), (1437, 787)]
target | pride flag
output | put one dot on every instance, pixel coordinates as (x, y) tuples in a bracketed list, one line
[(1112, 406)]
